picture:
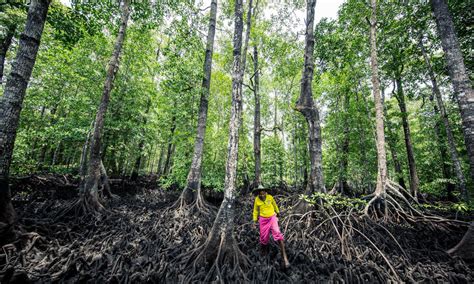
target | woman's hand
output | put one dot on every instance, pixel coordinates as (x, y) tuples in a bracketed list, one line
[(254, 225)]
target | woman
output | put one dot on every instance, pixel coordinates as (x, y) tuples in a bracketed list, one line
[(266, 210)]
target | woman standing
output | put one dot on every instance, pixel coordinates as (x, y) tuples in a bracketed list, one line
[(266, 210)]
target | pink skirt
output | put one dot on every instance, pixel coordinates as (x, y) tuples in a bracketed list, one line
[(268, 225)]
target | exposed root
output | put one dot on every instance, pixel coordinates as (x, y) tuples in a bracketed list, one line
[(139, 243), (84, 206), (224, 263), (465, 248), (389, 204), (197, 207)]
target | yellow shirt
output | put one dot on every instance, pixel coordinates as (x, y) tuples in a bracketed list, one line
[(267, 208)]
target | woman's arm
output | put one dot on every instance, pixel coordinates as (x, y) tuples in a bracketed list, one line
[(255, 210)]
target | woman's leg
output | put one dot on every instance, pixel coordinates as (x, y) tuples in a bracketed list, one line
[(265, 226), (278, 237)]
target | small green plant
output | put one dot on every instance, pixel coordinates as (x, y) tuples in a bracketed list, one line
[(461, 207), (337, 201)]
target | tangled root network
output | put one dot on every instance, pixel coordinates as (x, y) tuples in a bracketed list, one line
[(140, 239)]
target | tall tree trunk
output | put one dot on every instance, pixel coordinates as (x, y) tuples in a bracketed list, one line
[(56, 152), (457, 73), (257, 127), (192, 191), (447, 126), (169, 152), (138, 160), (221, 238), (246, 41), (343, 165), (446, 170), (391, 140), (414, 181), (141, 144), (104, 180), (89, 196), (83, 161), (379, 117), (159, 167), (7, 41), (295, 153), (308, 109), (12, 100)]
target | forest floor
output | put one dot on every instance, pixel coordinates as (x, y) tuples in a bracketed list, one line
[(138, 240)]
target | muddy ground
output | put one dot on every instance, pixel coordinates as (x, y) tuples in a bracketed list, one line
[(139, 241)]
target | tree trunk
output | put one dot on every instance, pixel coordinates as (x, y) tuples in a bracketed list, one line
[(104, 180), (343, 165), (295, 153), (414, 181), (447, 126), (138, 160), (465, 248), (246, 41), (257, 127), (222, 229), (90, 195), (83, 161), (192, 191), (56, 152), (159, 167), (306, 106), (391, 140), (169, 152), (7, 41), (379, 117), (12, 99), (457, 73), (141, 144), (443, 154)]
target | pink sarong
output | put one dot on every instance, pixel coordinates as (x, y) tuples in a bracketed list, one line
[(268, 225)]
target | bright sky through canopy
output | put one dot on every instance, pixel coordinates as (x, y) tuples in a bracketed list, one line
[(324, 8)]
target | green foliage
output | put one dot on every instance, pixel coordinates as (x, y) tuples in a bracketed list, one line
[(455, 207), (338, 202), (437, 187), (157, 89)]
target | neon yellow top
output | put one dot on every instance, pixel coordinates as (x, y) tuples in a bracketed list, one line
[(267, 208)]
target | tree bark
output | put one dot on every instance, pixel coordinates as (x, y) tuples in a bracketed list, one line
[(90, 195), (447, 126), (222, 229), (379, 117), (159, 167), (246, 41), (465, 248), (192, 191), (306, 106), (7, 41), (83, 161), (257, 127), (457, 73), (12, 99), (344, 162), (170, 151), (104, 180), (446, 169), (391, 140), (414, 180), (141, 144)]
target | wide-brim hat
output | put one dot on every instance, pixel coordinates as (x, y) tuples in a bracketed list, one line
[(259, 188)]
